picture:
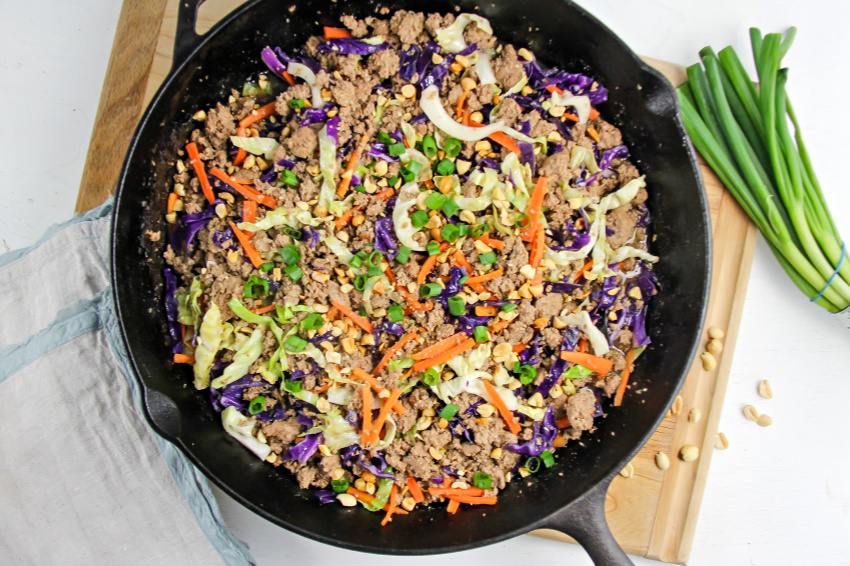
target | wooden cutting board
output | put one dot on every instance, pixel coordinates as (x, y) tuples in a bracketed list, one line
[(651, 514)]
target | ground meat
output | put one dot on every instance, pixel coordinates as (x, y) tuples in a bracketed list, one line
[(609, 135), (281, 433), (549, 305), (219, 125), (557, 168), (418, 462), (384, 64), (580, 409), (553, 337), (609, 384), (623, 221), (420, 399), (407, 25), (509, 111), (358, 27), (303, 142), (507, 68)]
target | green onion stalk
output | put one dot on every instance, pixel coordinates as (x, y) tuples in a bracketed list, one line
[(743, 130)]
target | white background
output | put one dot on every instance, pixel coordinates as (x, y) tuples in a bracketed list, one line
[(778, 496)]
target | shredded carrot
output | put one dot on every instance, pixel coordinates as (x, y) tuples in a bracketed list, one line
[(537, 248), (197, 164), (497, 400), (249, 211), (392, 506), (345, 181), (385, 412), (415, 490), (445, 356), (594, 113), (393, 350), (444, 344), (519, 348), (172, 198), (591, 131), (389, 273), (500, 325), (581, 271), (340, 222), (570, 116), (505, 140), (246, 245), (336, 33), (357, 372), (247, 192), (322, 389), (487, 311), (460, 261), (457, 491), (591, 362), (453, 506), (183, 359), (559, 442), (366, 433), (244, 181), (460, 102), (624, 379), (263, 310), (385, 194), (541, 323), (582, 345), (473, 500), (563, 422), (257, 115), (492, 242), (535, 206), (367, 498), (332, 314), (486, 277), (553, 88), (427, 267), (415, 305), (355, 318), (241, 154)]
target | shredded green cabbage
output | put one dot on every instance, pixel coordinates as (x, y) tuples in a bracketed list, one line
[(338, 432), (334, 244), (257, 146), (209, 340), (404, 229), (241, 427), (327, 165), (451, 38), (534, 413), (244, 357), (281, 216)]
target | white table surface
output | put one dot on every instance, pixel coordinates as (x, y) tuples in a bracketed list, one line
[(779, 495)]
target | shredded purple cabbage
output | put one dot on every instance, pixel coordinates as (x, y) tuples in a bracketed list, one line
[(453, 285), (559, 365), (527, 154), (616, 152), (286, 163), (385, 237), (379, 470), (304, 449), (563, 288), (439, 72), (185, 231), (325, 496), (310, 116), (543, 438), (311, 235), (351, 46), (272, 62), (641, 338), (379, 150), (174, 328), (468, 322), (332, 126)]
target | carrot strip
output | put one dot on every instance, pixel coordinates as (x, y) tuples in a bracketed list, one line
[(249, 211), (594, 114), (172, 198), (456, 491), (244, 181), (355, 318), (444, 344), (487, 311), (591, 131), (385, 412), (414, 304), (366, 433), (340, 222), (535, 205), (624, 379), (553, 88), (257, 115), (591, 362), (427, 267), (473, 500), (563, 422), (367, 498), (559, 442), (492, 242), (393, 350), (398, 408), (241, 154), (497, 400), (415, 490), (486, 277), (183, 359), (537, 247), (570, 116), (322, 388), (445, 356), (197, 164), (247, 192), (345, 180), (453, 506), (519, 348), (500, 325), (460, 102), (392, 503), (264, 310), (332, 314), (581, 271), (460, 261), (336, 33), (582, 345), (246, 245), (385, 194), (505, 140)]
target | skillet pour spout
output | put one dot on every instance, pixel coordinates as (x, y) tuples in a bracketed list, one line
[(569, 496)]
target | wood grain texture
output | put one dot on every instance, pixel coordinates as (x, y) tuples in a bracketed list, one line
[(121, 100), (651, 514)]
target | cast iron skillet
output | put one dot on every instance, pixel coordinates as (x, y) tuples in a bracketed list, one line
[(569, 497)]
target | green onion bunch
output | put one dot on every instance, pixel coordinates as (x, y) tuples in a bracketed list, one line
[(743, 130)]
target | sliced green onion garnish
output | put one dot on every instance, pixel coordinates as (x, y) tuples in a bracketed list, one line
[(312, 321), (294, 233), (396, 149), (509, 307), (477, 230), (375, 259), (488, 258), (433, 248), (374, 272), (395, 313), (445, 167), (527, 374), (360, 189), (339, 486), (419, 218), (450, 233), (429, 146), (435, 200), (266, 267), (450, 207), (464, 229), (360, 282), (295, 344), (392, 182), (294, 272), (257, 405), (414, 167), (456, 306), (408, 175), (403, 254), (355, 262), (548, 459), (288, 177), (297, 103), (291, 254), (449, 412), (431, 377), (255, 287), (482, 480), (292, 386), (480, 334), (431, 290), (533, 464), (452, 147), (384, 137)]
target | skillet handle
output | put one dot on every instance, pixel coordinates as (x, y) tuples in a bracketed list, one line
[(584, 520), (185, 37)]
